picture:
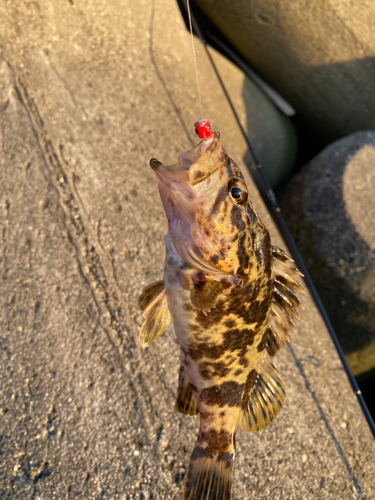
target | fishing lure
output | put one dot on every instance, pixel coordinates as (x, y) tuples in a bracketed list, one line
[(232, 298)]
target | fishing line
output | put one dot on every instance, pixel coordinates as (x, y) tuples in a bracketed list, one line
[(194, 57), (160, 76)]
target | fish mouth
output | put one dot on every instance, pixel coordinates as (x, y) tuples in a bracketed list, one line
[(195, 165), (178, 186), (176, 182)]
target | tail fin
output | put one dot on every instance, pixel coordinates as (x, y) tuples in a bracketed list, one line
[(209, 478)]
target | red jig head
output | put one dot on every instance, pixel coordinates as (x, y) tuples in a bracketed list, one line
[(203, 129)]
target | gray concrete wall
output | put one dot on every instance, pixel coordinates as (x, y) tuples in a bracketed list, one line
[(320, 55), (89, 92)]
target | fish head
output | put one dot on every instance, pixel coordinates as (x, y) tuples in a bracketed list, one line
[(206, 202)]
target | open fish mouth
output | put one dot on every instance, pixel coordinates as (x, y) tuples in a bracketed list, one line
[(195, 165), (179, 186)]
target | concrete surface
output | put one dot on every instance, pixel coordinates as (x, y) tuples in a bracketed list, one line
[(319, 55), (89, 92), (330, 209)]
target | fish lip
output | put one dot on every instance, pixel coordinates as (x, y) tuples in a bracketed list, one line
[(158, 167), (191, 169), (155, 164), (187, 159), (172, 180), (175, 184)]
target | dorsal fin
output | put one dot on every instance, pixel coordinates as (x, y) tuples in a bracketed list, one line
[(283, 264), (265, 390), (264, 400), (156, 313), (284, 302), (185, 402)]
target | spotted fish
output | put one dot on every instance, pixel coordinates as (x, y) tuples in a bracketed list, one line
[(232, 299)]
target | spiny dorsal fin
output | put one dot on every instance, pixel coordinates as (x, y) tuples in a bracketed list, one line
[(156, 318), (289, 283), (272, 342), (185, 401), (265, 399), (277, 333), (283, 264), (284, 302), (204, 293), (149, 293)]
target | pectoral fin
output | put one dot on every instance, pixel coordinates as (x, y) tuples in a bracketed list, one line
[(149, 293), (204, 293), (156, 314), (185, 402)]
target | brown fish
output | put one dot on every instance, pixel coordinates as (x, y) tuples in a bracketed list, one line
[(232, 300)]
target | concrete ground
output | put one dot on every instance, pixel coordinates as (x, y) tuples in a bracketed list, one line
[(89, 92)]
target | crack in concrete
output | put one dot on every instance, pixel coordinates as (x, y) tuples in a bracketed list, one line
[(91, 262), (108, 254), (67, 88), (86, 256)]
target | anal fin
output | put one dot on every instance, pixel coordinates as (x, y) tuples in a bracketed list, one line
[(264, 400), (156, 314), (185, 402)]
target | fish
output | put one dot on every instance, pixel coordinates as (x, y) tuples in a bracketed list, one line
[(232, 298)]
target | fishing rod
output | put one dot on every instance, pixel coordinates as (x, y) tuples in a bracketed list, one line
[(271, 201)]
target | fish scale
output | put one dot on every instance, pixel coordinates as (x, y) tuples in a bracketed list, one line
[(232, 299)]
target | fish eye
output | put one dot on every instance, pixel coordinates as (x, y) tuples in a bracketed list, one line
[(237, 190), (236, 193)]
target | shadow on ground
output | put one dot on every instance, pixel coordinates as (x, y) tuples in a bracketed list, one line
[(336, 256)]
